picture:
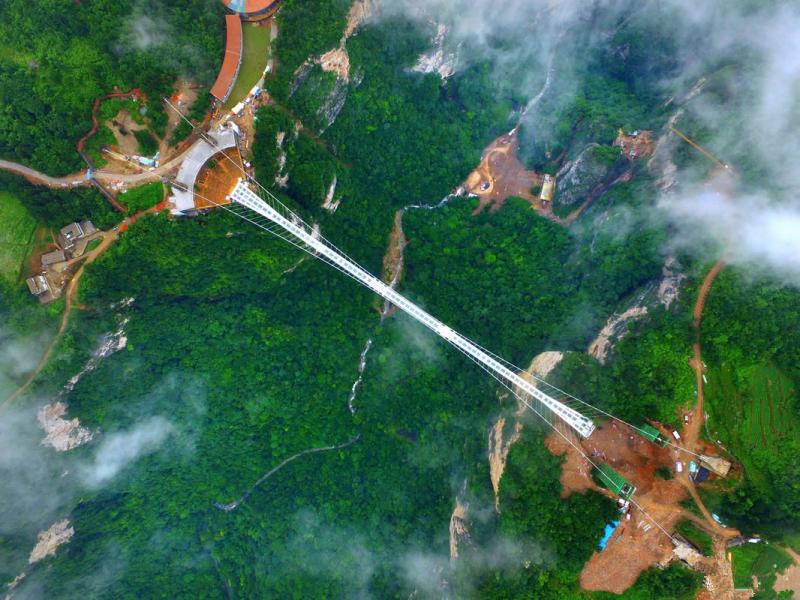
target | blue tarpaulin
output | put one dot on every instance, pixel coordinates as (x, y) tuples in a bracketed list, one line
[(610, 528)]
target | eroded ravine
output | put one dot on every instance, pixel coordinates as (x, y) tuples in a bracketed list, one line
[(393, 268)]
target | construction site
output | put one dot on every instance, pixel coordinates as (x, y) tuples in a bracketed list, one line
[(635, 471), (501, 175), (651, 471)]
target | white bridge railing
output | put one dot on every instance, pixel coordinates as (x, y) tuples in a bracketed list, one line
[(244, 196)]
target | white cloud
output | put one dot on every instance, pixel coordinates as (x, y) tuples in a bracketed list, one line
[(122, 448)]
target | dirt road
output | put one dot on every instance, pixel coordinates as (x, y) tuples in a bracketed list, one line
[(700, 304), (72, 288), (795, 556), (108, 238), (38, 178), (102, 175), (725, 533), (691, 431)]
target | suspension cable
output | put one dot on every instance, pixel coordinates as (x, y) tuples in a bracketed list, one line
[(291, 214), (303, 247), (282, 207), (287, 238), (571, 443), (586, 404)]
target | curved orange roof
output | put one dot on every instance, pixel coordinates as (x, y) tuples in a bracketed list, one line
[(233, 58), (250, 7)]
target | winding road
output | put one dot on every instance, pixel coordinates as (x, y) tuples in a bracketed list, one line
[(691, 431), (108, 238), (69, 297), (102, 175), (38, 178)]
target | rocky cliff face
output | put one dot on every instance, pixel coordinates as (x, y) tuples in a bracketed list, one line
[(579, 177), (437, 60)]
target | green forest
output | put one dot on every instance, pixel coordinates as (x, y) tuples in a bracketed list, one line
[(59, 58), (752, 347), (290, 440)]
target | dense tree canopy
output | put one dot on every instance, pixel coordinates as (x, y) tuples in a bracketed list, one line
[(247, 352), (55, 60)]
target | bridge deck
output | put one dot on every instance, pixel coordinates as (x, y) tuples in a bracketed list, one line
[(244, 196)]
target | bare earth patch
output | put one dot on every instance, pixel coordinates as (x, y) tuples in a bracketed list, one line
[(123, 126), (670, 285), (638, 543), (789, 580), (718, 582), (498, 453), (393, 262), (544, 363), (437, 61), (576, 470), (14, 583), (614, 329), (60, 433), (59, 533), (501, 175), (329, 203), (337, 60), (635, 145), (183, 99), (617, 325)]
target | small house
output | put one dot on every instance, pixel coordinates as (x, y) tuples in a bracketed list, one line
[(548, 189), (38, 285), (74, 237), (702, 474), (52, 258), (717, 465)]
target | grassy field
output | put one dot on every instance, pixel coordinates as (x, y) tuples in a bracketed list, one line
[(142, 197), (696, 536), (762, 560), (792, 540), (751, 408), (16, 232), (255, 53)]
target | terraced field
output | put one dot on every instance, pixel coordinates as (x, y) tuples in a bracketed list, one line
[(16, 232), (751, 409), (771, 412)]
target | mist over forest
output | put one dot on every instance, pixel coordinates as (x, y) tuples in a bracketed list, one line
[(215, 413)]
